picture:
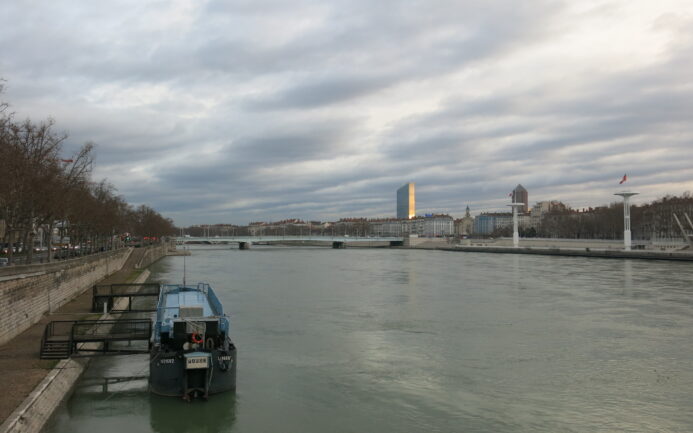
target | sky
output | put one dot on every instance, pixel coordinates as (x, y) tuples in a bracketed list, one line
[(251, 110)]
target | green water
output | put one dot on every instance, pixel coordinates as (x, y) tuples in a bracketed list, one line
[(383, 340)]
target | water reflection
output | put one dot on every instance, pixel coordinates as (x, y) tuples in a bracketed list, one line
[(135, 405), (172, 415), (627, 277), (516, 271)]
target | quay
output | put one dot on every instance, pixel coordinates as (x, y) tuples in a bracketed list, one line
[(574, 252), (34, 297), (551, 247)]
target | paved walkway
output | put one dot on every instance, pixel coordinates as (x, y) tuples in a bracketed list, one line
[(19, 358)]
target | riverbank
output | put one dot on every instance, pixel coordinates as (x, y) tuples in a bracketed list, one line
[(574, 252), (595, 249), (27, 377)]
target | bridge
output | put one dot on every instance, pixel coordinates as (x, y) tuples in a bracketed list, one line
[(244, 242)]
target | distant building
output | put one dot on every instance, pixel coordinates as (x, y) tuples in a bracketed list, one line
[(464, 226), (428, 226), (541, 208), (406, 201), (520, 195), (438, 226), (487, 223), (484, 224), (389, 227)]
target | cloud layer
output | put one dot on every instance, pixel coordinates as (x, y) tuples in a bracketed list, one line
[(258, 110)]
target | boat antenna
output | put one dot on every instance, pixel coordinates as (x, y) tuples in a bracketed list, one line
[(185, 253)]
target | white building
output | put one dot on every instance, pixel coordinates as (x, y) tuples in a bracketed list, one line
[(427, 226)]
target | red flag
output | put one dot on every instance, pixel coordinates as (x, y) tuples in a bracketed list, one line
[(67, 160), (625, 178), (510, 195)]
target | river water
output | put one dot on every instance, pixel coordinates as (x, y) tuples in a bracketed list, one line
[(381, 340)]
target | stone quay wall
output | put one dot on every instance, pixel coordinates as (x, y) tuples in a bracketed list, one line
[(154, 253), (28, 292), (35, 412)]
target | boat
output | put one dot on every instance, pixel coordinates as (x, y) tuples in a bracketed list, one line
[(191, 352)]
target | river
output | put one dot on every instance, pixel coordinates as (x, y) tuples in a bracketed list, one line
[(396, 340)]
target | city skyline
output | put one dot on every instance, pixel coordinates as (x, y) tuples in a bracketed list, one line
[(239, 112)]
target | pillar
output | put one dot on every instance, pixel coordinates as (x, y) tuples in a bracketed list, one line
[(626, 218)]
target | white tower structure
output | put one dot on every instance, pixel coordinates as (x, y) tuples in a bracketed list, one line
[(516, 234), (626, 217)]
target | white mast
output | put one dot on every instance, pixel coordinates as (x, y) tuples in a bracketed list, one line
[(626, 217), (516, 234)]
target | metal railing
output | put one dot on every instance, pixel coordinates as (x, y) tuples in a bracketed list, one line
[(107, 293), (95, 336), (112, 330)]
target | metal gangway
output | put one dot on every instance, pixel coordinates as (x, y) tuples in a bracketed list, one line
[(108, 295), (65, 338)]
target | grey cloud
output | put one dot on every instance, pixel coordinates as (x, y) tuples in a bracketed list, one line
[(254, 89), (324, 92)]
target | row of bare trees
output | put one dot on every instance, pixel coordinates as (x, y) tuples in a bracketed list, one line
[(649, 221), (43, 193)]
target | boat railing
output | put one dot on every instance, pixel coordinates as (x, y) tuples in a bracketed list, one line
[(214, 303), (205, 288)]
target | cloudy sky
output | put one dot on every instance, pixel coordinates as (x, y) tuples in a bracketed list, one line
[(236, 111)]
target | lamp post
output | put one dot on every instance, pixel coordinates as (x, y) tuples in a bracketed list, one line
[(626, 217), (516, 234)]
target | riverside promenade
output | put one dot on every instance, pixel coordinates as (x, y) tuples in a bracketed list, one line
[(558, 248), (19, 358)]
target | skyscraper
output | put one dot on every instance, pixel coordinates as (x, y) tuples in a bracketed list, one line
[(520, 196), (406, 201)]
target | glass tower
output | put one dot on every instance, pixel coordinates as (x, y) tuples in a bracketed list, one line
[(406, 201)]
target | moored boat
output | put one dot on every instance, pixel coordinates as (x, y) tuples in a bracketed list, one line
[(192, 354)]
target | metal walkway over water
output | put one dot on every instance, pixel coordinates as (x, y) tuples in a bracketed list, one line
[(65, 338), (109, 294)]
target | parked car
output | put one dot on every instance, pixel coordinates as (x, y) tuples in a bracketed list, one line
[(4, 261)]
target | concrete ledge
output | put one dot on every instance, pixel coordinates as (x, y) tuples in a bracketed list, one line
[(35, 411), (31, 416)]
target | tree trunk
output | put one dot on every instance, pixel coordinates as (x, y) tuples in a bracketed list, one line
[(30, 243), (10, 246), (25, 239), (49, 242)]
